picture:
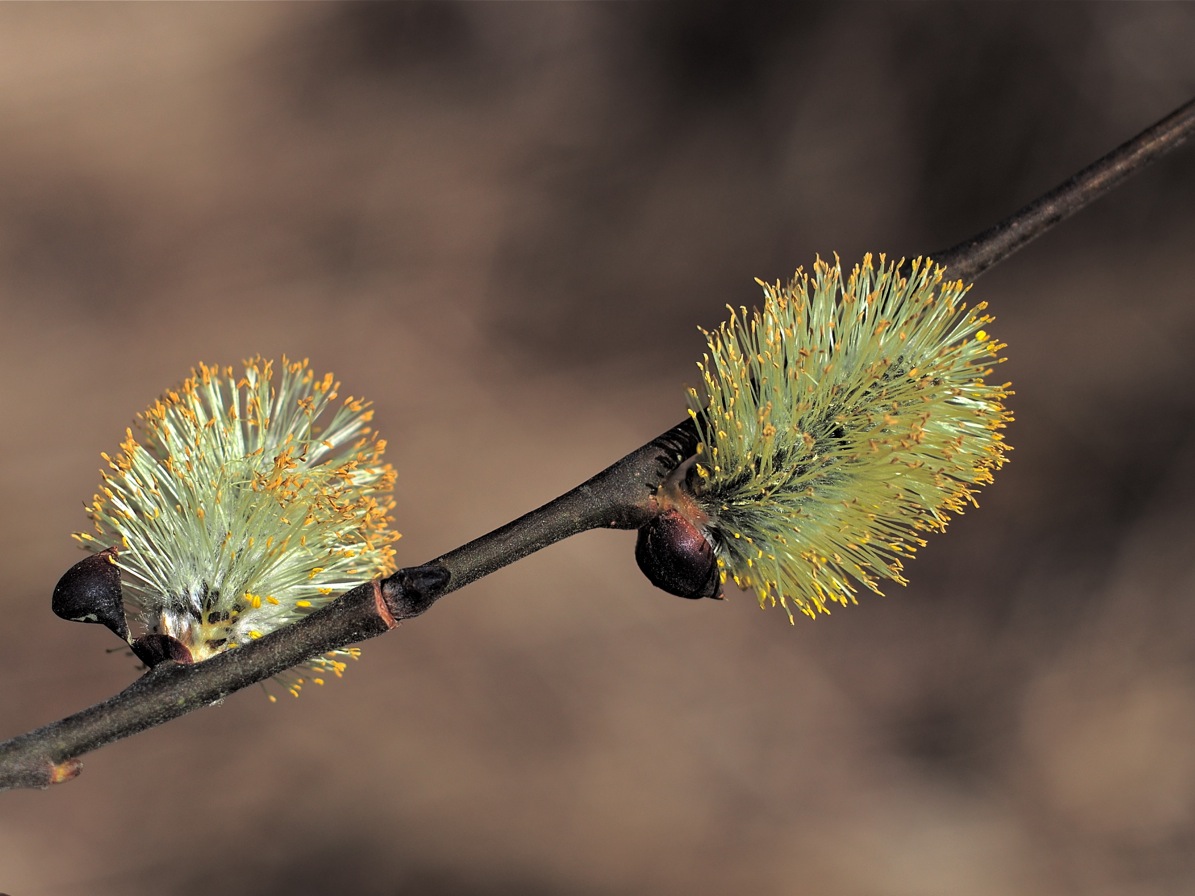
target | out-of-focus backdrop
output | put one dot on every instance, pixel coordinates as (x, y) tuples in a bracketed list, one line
[(504, 224)]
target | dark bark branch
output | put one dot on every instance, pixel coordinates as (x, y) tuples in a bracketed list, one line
[(967, 260), (621, 496)]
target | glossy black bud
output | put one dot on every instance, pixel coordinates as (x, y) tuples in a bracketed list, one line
[(677, 556), (154, 650), (90, 592)]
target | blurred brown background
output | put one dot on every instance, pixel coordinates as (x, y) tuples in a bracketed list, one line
[(503, 224)]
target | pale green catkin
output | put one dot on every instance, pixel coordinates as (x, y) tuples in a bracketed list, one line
[(839, 423), (243, 503)]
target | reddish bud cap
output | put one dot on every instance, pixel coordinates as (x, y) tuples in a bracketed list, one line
[(156, 649), (677, 556)]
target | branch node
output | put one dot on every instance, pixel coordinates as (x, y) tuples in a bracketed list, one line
[(64, 771), (409, 592)]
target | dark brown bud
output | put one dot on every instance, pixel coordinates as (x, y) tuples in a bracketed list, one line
[(90, 592), (677, 556), (156, 649)]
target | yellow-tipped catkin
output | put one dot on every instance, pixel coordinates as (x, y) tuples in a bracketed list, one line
[(840, 423), (245, 501)]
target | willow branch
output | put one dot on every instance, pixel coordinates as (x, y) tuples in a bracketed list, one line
[(621, 497), (972, 257)]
